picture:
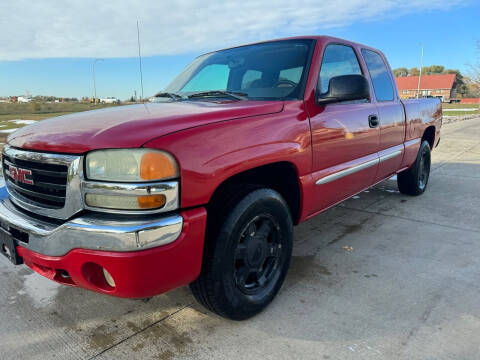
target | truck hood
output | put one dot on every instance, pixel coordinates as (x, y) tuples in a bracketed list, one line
[(130, 126)]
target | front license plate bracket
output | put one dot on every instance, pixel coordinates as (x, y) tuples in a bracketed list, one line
[(8, 247)]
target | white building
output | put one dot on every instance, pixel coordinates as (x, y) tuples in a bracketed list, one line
[(110, 100), (24, 99)]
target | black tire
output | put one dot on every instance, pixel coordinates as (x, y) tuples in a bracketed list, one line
[(414, 180), (255, 232)]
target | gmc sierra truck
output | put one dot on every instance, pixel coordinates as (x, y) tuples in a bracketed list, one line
[(204, 185)]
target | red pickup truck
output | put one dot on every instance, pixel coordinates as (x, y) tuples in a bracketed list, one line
[(204, 185)]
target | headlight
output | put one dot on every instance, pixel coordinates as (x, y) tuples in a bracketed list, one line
[(130, 165), (131, 180)]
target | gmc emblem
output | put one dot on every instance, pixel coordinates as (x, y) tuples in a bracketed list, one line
[(20, 175)]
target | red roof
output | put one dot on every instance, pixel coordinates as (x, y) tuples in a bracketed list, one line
[(428, 82)]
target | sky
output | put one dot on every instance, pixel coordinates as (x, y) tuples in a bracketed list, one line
[(49, 47)]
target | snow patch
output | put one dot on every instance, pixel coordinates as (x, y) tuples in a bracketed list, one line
[(25, 122)]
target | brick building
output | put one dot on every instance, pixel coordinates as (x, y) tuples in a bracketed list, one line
[(440, 86)]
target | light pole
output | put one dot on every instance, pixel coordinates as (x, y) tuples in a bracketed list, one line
[(420, 77), (94, 84)]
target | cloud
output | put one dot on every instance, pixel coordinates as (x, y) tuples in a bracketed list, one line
[(92, 28)]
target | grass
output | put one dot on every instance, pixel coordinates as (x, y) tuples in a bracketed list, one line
[(459, 106), (450, 109), (39, 108), (4, 117), (38, 111), (7, 124), (460, 113)]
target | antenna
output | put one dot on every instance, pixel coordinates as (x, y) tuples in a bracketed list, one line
[(140, 60)]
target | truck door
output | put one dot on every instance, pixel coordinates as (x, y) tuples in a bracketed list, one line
[(345, 146), (391, 115)]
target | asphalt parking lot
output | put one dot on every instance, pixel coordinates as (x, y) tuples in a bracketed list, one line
[(382, 276)]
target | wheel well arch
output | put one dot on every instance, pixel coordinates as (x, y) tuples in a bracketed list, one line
[(279, 176), (429, 135)]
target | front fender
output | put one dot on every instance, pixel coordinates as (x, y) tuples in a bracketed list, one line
[(208, 155)]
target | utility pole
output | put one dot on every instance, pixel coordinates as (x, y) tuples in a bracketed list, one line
[(140, 60), (94, 84), (420, 76)]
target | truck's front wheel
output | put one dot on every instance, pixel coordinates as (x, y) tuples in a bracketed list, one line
[(414, 180), (248, 258)]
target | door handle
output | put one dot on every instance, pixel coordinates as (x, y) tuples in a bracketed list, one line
[(373, 121)]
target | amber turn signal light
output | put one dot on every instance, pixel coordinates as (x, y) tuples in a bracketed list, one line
[(151, 201), (156, 165)]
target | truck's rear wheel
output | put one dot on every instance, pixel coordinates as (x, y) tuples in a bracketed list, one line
[(248, 257), (414, 180)]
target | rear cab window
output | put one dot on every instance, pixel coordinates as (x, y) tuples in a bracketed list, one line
[(337, 60), (380, 75)]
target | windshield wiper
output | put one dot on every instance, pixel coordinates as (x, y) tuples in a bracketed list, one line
[(173, 96), (217, 93)]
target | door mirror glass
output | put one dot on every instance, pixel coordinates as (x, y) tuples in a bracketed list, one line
[(345, 88)]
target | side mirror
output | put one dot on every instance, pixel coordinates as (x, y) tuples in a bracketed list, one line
[(345, 88)]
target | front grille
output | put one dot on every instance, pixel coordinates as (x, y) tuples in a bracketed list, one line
[(46, 185)]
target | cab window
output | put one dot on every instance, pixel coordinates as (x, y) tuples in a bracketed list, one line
[(273, 70), (249, 77), (337, 60), (293, 74), (380, 75), (211, 77)]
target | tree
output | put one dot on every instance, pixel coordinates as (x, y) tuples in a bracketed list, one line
[(37, 107), (472, 88), (433, 69), (475, 73), (399, 72), (413, 71)]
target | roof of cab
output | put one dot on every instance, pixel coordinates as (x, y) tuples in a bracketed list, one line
[(322, 38)]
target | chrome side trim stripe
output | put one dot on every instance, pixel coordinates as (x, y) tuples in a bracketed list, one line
[(390, 156), (346, 172), (412, 142), (342, 173)]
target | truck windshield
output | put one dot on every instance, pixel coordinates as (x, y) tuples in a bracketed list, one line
[(274, 70)]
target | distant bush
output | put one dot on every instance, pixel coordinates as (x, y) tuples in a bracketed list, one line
[(37, 107), (46, 108)]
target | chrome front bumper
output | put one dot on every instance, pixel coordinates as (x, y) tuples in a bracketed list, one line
[(90, 231)]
